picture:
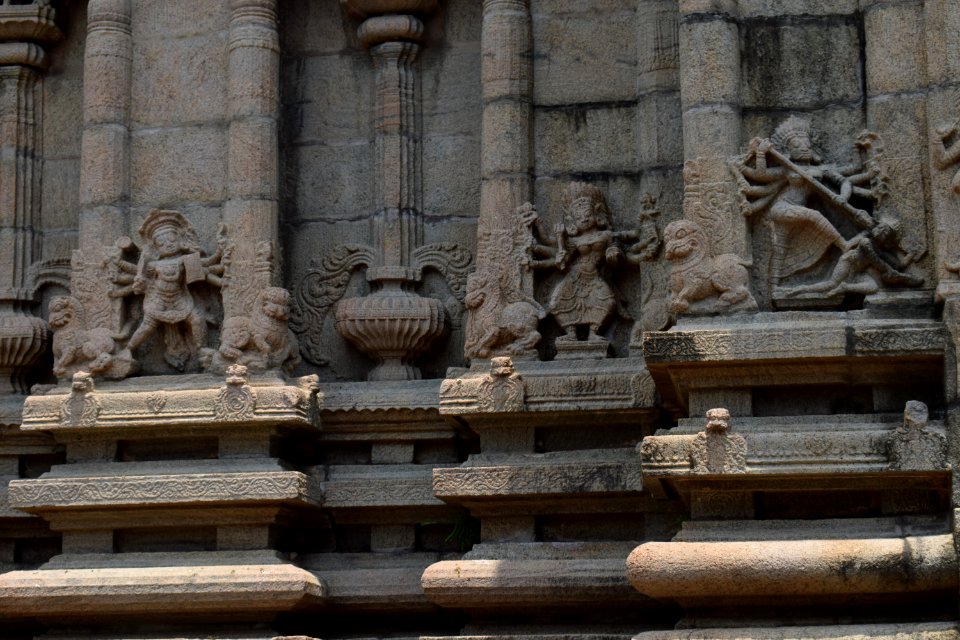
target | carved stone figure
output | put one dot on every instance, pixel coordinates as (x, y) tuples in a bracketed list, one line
[(495, 325), (502, 389), (580, 248), (503, 314), (807, 203), (77, 348), (171, 262), (914, 447), (717, 449), (700, 283), (946, 149), (261, 340), (866, 261), (236, 400), (81, 407)]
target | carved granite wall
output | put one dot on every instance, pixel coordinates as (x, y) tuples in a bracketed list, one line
[(532, 319)]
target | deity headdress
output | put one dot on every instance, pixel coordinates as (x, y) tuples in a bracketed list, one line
[(790, 128), (164, 219), (578, 190)]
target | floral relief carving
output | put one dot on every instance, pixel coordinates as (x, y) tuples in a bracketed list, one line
[(236, 400)]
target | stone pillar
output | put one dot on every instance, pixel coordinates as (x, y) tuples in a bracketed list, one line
[(251, 209), (659, 154), (394, 324), (23, 336), (896, 77), (506, 75), (710, 99), (105, 145)]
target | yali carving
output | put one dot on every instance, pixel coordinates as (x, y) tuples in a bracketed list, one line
[(717, 449), (913, 446), (700, 283)]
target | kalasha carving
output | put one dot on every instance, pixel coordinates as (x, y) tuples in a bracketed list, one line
[(171, 264), (503, 312), (77, 348), (700, 283), (81, 407), (236, 400), (914, 447), (810, 206), (717, 449), (501, 390)]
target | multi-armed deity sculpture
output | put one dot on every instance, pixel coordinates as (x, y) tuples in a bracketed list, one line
[(583, 248), (170, 288), (833, 231)]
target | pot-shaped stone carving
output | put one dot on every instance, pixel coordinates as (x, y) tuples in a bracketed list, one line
[(394, 326), (23, 338)]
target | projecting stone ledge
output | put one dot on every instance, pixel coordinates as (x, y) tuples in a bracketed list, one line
[(784, 447), (505, 386), (903, 631), (166, 402), (531, 483), (247, 585)]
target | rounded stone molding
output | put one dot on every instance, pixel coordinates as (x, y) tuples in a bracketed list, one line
[(23, 339), (390, 28)]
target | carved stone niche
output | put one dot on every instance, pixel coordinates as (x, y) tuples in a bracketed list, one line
[(169, 288), (834, 231)]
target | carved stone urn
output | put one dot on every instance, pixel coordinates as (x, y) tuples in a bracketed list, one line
[(23, 339), (393, 325)]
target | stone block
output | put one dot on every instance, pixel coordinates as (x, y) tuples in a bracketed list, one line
[(585, 139), (333, 95), (451, 90), (584, 54), (179, 84), (942, 36), (895, 55), (801, 65), (451, 164), (181, 164), (59, 198), (311, 28), (709, 63), (332, 180), (659, 129), (175, 19)]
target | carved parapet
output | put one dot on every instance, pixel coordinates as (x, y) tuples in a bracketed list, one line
[(165, 402), (841, 446), (796, 348), (611, 384)]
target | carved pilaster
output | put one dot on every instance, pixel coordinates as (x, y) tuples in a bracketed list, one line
[(250, 211), (23, 337)]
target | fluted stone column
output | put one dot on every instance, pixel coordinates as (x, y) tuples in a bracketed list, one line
[(105, 145), (507, 85), (23, 337), (710, 99), (251, 209)]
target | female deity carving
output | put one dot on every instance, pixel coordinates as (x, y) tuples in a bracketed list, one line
[(584, 243)]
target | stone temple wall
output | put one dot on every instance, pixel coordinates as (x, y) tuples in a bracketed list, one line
[(533, 319)]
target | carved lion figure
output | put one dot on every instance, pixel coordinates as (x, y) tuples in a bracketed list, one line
[(76, 348), (261, 340), (720, 283), (497, 326)]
